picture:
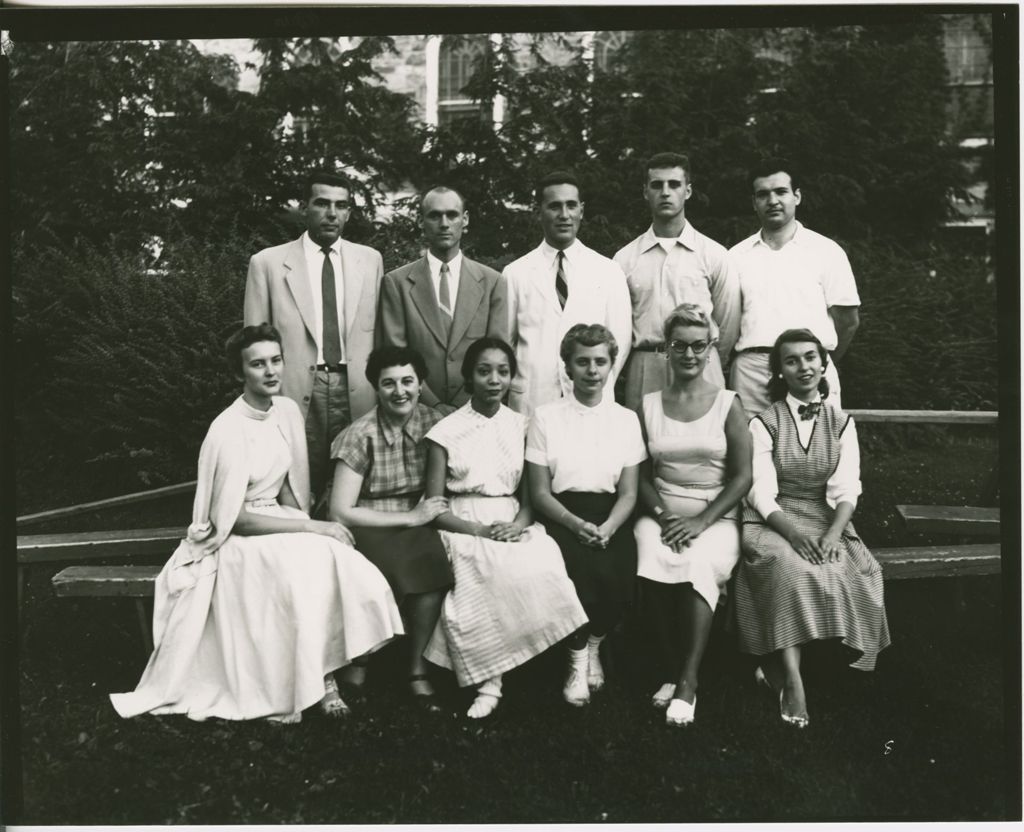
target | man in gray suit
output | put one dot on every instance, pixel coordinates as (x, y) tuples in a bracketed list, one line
[(443, 302), (320, 292)]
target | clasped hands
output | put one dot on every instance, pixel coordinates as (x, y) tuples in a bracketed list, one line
[(679, 532), (505, 532), (825, 549)]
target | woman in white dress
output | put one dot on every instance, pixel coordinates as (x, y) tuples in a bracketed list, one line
[(699, 470), (512, 598), (259, 604), (583, 456)]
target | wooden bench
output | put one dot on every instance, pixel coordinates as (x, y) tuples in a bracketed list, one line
[(968, 520), (35, 549), (939, 561), (135, 582)]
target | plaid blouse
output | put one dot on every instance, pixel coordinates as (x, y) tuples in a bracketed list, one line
[(392, 460)]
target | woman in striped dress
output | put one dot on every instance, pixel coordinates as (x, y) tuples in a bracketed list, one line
[(805, 574), (512, 597)]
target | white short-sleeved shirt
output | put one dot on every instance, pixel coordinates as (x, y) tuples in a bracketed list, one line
[(585, 448), (792, 287)]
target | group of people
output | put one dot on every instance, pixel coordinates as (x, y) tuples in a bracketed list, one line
[(490, 532)]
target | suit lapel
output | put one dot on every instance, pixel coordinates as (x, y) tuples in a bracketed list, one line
[(467, 301), (352, 277), (295, 275), (422, 295)]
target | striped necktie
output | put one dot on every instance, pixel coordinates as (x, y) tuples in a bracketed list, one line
[(444, 299), (561, 287)]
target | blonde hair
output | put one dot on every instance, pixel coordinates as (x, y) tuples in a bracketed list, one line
[(686, 314)]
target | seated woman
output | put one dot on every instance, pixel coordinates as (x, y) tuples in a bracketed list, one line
[(805, 574), (699, 470), (583, 454), (512, 599), (378, 483), (259, 604)]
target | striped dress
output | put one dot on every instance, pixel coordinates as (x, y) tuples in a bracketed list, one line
[(511, 601), (783, 600)]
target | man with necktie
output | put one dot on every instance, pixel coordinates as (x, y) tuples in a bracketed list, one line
[(557, 285), (320, 292), (443, 302)]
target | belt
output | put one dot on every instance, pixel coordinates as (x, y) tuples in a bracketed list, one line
[(761, 350), (332, 368), (261, 502), (650, 348)]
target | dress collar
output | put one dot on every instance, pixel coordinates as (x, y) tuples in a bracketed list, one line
[(413, 428), (252, 413)]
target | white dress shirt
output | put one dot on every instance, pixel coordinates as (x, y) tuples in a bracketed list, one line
[(454, 270), (314, 270), (585, 448), (792, 287), (842, 487)]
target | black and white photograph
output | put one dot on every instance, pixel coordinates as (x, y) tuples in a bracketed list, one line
[(511, 414)]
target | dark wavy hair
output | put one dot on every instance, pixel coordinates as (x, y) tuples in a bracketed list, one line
[(391, 356), (587, 335), (246, 337), (556, 177), (771, 165), (326, 177), (777, 388), (667, 160), (477, 348)]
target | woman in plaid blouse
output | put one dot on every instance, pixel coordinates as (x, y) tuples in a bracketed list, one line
[(378, 486)]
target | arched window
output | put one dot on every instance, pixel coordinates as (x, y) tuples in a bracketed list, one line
[(606, 44), (458, 58)]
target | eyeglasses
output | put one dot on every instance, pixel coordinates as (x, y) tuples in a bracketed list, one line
[(696, 347)]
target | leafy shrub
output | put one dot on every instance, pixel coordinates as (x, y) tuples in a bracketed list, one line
[(122, 369)]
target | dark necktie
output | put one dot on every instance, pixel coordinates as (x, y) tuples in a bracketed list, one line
[(331, 336), (808, 411), (561, 288), (444, 299)]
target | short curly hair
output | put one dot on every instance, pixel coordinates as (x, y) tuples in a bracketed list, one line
[(587, 335), (391, 356), (246, 337), (686, 314)]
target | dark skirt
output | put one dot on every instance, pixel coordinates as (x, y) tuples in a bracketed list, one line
[(413, 560), (603, 578)]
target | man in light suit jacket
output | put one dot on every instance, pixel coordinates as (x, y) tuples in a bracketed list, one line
[(557, 285), (443, 302), (290, 286)]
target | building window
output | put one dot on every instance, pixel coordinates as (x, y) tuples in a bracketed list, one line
[(457, 60), (606, 44), (968, 54)]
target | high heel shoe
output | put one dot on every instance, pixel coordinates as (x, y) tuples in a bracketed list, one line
[(427, 702), (796, 720), (680, 712)]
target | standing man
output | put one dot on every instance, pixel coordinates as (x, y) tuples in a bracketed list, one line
[(790, 277), (443, 302), (320, 292), (669, 264), (558, 284)]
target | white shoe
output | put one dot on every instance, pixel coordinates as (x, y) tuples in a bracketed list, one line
[(595, 673), (663, 695), (487, 696), (576, 691), (680, 712)]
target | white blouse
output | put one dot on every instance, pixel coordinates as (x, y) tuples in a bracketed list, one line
[(585, 448), (842, 487)]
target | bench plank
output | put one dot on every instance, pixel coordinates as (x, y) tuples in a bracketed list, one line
[(939, 561), (44, 548), (106, 581), (110, 502), (951, 519), (926, 417)]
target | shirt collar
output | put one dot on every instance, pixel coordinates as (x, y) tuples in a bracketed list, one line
[(252, 413), (794, 403), (759, 239), (687, 237), (312, 248), (454, 265), (550, 252), (413, 428), (578, 407)]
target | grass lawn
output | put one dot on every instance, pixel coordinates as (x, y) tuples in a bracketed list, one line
[(922, 738)]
